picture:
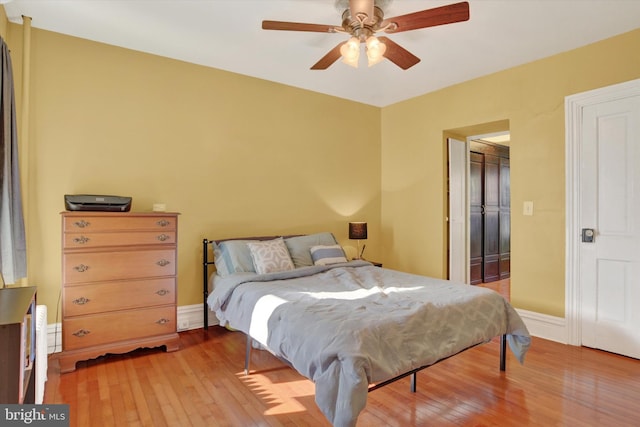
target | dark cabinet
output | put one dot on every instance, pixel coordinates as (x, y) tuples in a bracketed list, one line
[(17, 344), (490, 213)]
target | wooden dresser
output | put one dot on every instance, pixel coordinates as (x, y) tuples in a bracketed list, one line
[(118, 283)]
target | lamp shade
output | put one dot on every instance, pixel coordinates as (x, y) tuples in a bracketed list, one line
[(375, 50), (350, 52), (358, 230)]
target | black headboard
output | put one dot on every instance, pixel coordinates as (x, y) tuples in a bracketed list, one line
[(207, 260)]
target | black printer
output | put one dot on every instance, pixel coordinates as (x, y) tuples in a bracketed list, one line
[(92, 202)]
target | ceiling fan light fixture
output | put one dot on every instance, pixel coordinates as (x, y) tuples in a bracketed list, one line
[(375, 50), (362, 19), (350, 52)]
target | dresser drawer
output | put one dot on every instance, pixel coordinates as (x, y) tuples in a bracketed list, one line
[(102, 297), (117, 222), (79, 332), (87, 267), (94, 240)]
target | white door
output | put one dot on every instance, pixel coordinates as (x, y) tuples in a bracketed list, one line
[(457, 210), (609, 204)]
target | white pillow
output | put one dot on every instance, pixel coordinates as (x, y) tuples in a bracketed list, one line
[(327, 254), (270, 256)]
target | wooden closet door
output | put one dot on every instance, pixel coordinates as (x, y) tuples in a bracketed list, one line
[(476, 178), (505, 218), (491, 218), (489, 213)]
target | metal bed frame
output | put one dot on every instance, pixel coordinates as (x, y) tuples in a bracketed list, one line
[(413, 372), (207, 261)]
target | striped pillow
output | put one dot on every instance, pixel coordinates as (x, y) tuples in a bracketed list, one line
[(325, 255)]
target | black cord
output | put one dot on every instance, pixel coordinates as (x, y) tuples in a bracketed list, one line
[(55, 336)]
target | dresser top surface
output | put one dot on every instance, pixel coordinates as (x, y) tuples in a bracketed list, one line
[(116, 214)]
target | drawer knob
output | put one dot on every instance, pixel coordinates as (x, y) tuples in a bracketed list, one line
[(82, 223), (163, 223), (163, 237), (162, 292), (81, 240), (163, 263), (81, 301), (162, 321), (81, 333), (81, 268)]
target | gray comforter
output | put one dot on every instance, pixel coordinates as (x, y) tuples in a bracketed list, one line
[(349, 325)]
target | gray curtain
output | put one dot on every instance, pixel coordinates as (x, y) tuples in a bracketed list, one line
[(13, 255)]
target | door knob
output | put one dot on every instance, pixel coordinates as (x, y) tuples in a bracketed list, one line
[(588, 235)]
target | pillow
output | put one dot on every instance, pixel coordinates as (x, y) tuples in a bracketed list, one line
[(299, 247), (325, 255), (270, 256), (233, 256)]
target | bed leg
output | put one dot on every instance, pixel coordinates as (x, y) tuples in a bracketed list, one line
[(205, 284), (414, 379), (205, 314), (503, 353), (247, 356)]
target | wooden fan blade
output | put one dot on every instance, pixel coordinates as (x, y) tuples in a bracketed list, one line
[(297, 26), (457, 12), (328, 60), (398, 55)]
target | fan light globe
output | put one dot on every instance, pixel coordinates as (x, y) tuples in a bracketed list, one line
[(350, 52), (375, 50)]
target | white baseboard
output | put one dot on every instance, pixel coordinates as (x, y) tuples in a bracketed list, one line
[(191, 317), (544, 326)]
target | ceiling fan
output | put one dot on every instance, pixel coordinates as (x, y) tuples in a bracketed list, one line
[(362, 19)]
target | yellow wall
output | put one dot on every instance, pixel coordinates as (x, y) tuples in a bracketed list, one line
[(530, 98), (242, 156), (3, 23), (236, 156)]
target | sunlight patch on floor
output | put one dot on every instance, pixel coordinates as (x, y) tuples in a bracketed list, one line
[(270, 393)]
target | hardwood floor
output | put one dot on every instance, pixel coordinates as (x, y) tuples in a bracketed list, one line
[(203, 384), (503, 287)]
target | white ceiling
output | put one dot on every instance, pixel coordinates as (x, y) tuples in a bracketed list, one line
[(227, 34)]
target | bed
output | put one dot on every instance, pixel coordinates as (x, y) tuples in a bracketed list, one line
[(349, 326)]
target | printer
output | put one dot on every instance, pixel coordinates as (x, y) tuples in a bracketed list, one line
[(91, 202)]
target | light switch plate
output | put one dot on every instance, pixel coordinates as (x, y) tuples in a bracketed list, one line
[(527, 208)]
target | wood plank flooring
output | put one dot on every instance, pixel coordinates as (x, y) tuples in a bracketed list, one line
[(203, 384)]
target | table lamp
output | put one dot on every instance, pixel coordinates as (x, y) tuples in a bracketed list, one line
[(358, 231)]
